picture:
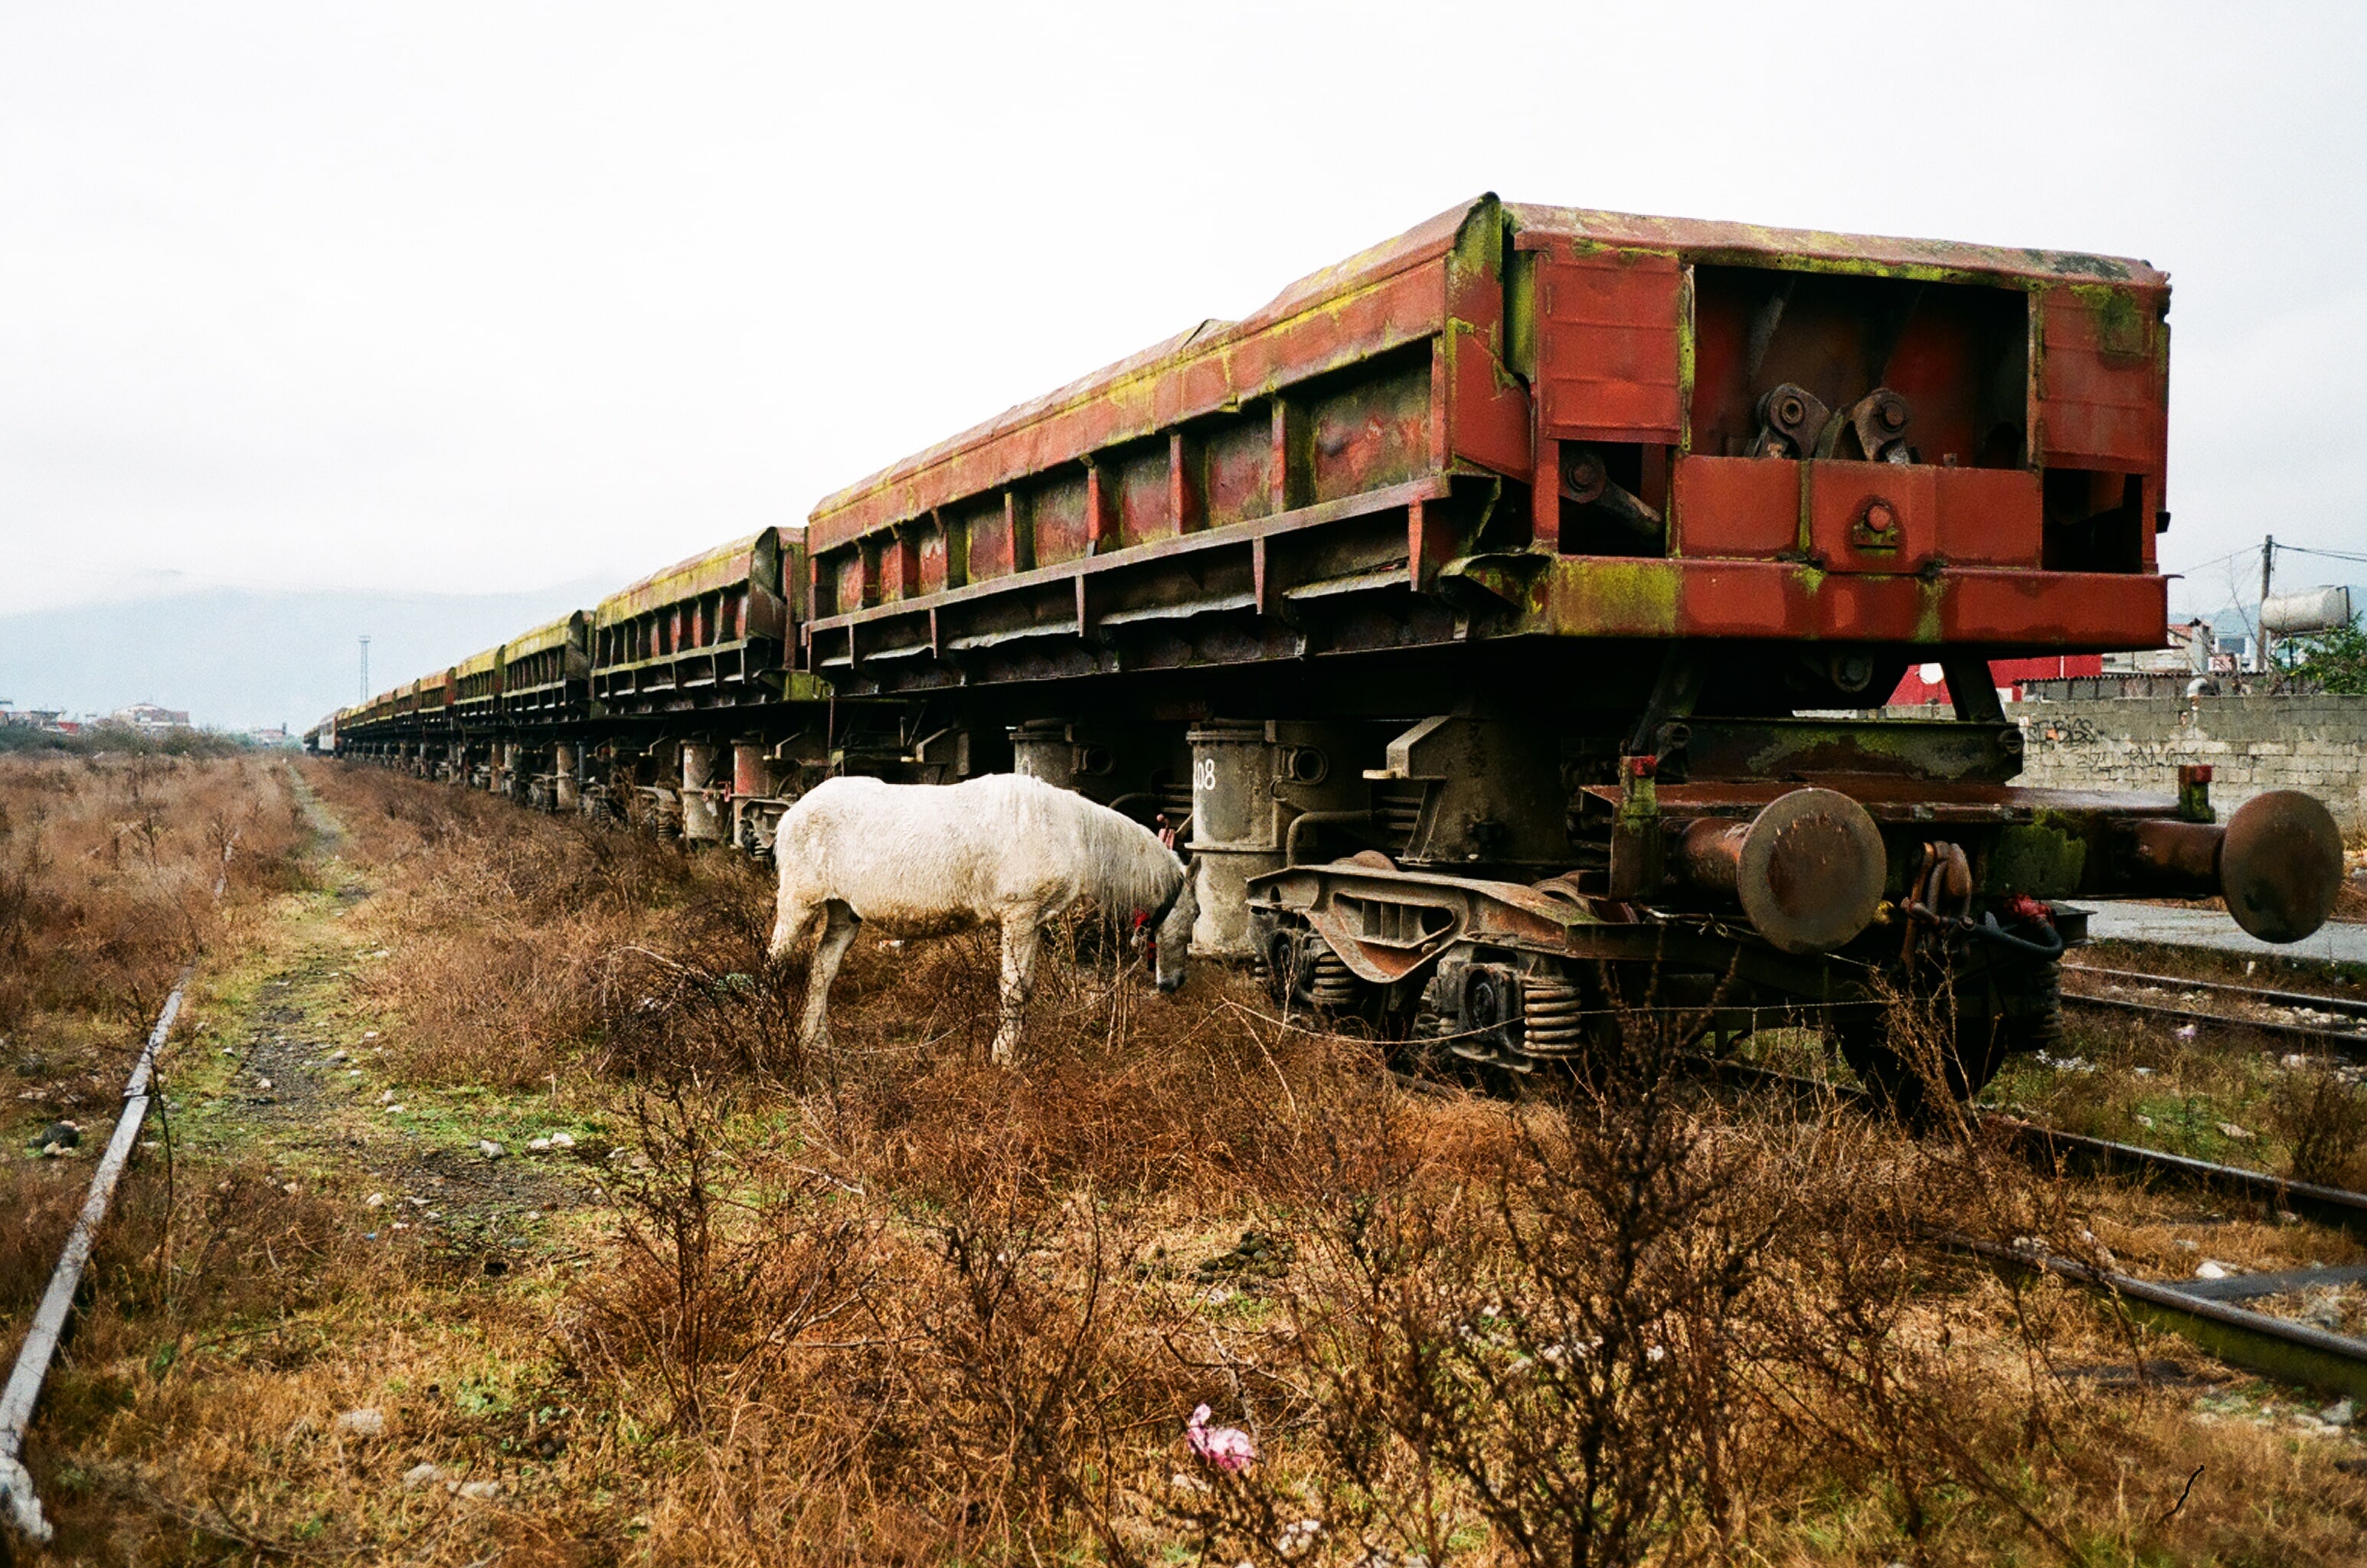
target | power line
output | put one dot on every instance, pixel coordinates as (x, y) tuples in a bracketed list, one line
[(2222, 560)]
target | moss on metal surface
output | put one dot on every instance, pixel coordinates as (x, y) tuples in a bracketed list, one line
[(1604, 597), (2042, 858), (727, 566), (2123, 328), (567, 628)]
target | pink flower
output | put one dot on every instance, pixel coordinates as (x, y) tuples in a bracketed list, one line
[(1227, 1447)]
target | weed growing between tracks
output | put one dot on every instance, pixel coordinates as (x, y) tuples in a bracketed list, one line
[(2217, 1095), (897, 1304)]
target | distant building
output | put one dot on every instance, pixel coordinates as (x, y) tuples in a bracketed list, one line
[(150, 719), (268, 735), (2189, 653), (31, 718), (1924, 684)]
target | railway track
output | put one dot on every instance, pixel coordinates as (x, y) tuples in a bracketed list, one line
[(2202, 1311), (23, 1390), (2296, 1352), (2346, 1041)]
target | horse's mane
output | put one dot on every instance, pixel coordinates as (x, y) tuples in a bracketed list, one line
[(1132, 869)]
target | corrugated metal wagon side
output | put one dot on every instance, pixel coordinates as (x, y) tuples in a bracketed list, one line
[(712, 631), (1524, 421), (1238, 467)]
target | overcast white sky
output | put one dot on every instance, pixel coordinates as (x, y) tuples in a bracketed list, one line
[(496, 295)]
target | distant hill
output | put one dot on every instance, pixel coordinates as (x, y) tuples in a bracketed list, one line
[(236, 659)]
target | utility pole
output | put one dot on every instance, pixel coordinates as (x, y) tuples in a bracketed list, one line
[(2268, 565), (363, 696)]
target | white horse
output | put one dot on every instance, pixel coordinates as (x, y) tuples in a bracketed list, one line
[(924, 859)]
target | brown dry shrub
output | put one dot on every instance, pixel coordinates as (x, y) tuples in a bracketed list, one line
[(516, 936), (1645, 1333), (1610, 1324), (2322, 1117), (857, 1373)]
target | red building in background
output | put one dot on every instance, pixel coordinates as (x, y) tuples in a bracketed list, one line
[(1924, 684)]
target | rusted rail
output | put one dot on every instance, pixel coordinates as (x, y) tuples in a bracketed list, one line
[(2339, 1040), (2325, 1205), (2238, 1336), (2295, 1351), (24, 1386), (2259, 995)]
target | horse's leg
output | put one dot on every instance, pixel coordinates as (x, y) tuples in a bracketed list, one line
[(1022, 934), (837, 936), (796, 914)]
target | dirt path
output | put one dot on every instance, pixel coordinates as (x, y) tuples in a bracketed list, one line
[(292, 1067)]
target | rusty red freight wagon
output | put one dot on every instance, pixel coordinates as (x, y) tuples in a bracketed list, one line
[(546, 673), (1524, 423), (684, 665), (1502, 591), (711, 631)]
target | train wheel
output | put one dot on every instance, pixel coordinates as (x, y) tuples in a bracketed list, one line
[(1285, 966), (2000, 1011)]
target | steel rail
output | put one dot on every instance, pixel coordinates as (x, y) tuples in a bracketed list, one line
[(33, 1357), (2238, 1336), (2327, 1205), (2346, 1043), (2348, 1006), (2296, 1352)]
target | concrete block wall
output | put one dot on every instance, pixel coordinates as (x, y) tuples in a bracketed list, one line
[(2253, 743)]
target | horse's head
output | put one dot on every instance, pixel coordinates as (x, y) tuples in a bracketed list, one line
[(1171, 933)]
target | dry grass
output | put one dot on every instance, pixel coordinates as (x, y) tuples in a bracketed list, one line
[(897, 1306), (107, 866), (106, 871)]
